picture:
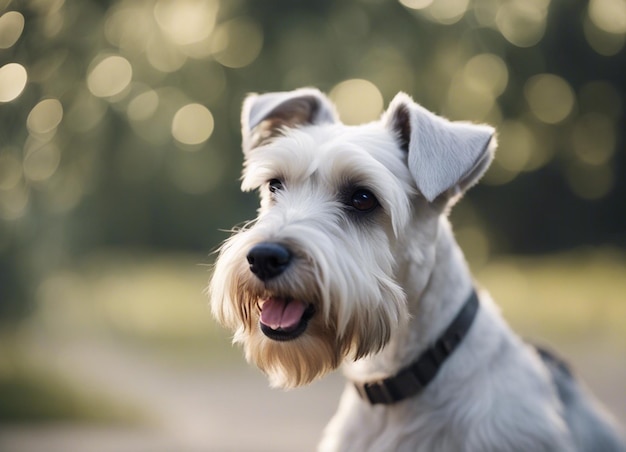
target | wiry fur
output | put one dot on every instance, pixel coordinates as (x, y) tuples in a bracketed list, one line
[(386, 284), (334, 279)]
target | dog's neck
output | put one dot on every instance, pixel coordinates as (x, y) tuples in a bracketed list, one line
[(434, 299)]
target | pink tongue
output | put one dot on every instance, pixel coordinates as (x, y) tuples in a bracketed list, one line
[(280, 313)]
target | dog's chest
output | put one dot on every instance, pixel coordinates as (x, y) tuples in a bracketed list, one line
[(410, 427)]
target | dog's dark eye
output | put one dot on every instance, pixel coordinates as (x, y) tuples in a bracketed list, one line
[(364, 200), (275, 185)]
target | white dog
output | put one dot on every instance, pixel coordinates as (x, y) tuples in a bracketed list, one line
[(352, 260)]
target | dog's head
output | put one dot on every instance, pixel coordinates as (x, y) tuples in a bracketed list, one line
[(318, 276)]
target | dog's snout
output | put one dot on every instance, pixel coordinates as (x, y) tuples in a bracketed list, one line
[(268, 260)]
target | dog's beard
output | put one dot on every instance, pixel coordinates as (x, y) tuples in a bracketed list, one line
[(294, 363), (355, 309)]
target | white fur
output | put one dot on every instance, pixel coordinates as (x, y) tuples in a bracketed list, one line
[(385, 285), (492, 394), (441, 153)]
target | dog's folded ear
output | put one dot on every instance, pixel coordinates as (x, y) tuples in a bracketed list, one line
[(444, 157), (266, 115)]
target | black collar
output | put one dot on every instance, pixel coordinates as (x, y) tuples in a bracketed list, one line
[(415, 377)]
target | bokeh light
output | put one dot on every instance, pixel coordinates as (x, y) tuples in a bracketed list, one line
[(110, 76), (129, 25), (154, 122), (143, 106), (474, 89), (516, 142), (446, 11), (602, 41), (41, 161), (608, 15), (594, 138), (389, 70), (550, 97), (485, 12), (11, 27), (357, 101), (13, 79), (416, 4), (522, 22), (523, 146), (164, 56), (237, 42), (467, 100), (192, 124), (186, 21), (44, 117), (488, 72)]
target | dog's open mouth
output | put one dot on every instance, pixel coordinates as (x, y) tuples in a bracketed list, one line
[(284, 319)]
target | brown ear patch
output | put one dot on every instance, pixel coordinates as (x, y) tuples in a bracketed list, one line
[(401, 124), (291, 113)]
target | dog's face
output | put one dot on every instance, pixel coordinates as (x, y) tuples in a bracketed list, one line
[(315, 278)]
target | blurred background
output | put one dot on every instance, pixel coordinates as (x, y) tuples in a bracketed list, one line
[(119, 165)]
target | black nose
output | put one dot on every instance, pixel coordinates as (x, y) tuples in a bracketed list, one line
[(268, 260)]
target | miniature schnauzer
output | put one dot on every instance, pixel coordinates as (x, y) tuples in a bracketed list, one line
[(352, 261)]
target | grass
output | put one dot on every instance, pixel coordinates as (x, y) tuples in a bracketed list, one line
[(153, 302), (159, 303), (143, 296), (33, 394), (574, 295), (161, 300)]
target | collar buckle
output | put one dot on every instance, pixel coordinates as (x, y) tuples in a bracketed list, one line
[(376, 392)]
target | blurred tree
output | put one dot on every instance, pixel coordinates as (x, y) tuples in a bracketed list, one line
[(119, 119)]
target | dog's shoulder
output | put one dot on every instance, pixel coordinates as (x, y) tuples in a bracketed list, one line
[(560, 371), (591, 427)]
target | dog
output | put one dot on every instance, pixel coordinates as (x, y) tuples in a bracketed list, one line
[(352, 262)]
